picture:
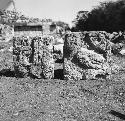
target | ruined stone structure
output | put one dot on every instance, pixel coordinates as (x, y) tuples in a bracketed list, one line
[(28, 29), (33, 56), (86, 56)]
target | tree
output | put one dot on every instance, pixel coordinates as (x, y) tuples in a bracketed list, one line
[(80, 19), (108, 16), (63, 25)]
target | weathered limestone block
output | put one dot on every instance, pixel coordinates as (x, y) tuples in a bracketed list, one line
[(35, 59), (35, 50), (72, 71), (88, 60), (21, 53), (104, 71), (34, 56), (89, 64), (73, 42), (117, 37), (98, 41), (47, 57), (42, 57), (116, 48), (20, 69), (114, 68), (122, 52)]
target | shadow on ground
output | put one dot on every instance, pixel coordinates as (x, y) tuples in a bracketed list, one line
[(7, 73), (58, 74), (117, 114)]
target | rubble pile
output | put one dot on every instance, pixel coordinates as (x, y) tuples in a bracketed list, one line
[(87, 56), (33, 56)]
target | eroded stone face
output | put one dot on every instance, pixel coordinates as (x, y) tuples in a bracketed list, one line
[(72, 71), (34, 56), (47, 58), (99, 42), (86, 55), (73, 43), (21, 54)]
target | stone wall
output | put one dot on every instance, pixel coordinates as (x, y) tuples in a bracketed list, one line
[(28, 33)]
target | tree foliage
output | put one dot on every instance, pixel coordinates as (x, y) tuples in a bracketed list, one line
[(62, 24), (107, 16)]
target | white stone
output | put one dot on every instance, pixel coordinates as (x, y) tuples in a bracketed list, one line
[(58, 47), (122, 52)]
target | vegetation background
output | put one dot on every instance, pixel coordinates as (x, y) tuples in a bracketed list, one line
[(108, 16)]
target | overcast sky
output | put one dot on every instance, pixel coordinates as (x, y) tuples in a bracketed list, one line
[(64, 10)]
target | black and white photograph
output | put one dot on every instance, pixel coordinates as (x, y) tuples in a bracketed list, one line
[(62, 60)]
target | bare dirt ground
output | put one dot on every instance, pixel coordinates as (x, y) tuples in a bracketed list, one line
[(26, 99), (58, 100)]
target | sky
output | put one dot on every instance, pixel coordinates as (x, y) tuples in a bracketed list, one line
[(64, 10)]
